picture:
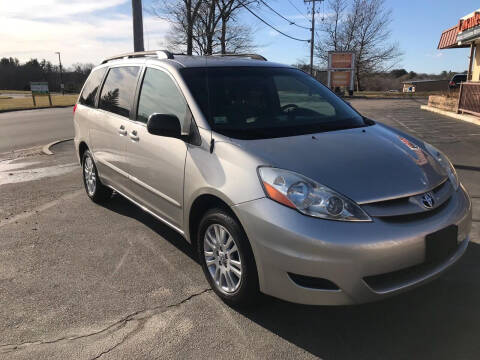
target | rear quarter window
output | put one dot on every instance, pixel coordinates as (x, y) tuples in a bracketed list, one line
[(90, 89)]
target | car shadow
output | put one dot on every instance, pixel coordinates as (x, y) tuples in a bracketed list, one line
[(124, 207), (440, 320)]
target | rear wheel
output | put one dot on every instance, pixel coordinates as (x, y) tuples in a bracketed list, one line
[(95, 189), (227, 258)]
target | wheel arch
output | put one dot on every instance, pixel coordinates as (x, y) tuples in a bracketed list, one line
[(199, 207), (82, 147)]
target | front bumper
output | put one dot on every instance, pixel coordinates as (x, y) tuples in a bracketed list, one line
[(345, 253)]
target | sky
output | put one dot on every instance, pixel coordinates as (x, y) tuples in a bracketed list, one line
[(86, 31)]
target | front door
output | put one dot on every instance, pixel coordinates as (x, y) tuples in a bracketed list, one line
[(156, 163)]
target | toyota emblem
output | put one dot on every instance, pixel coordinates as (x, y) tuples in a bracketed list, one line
[(427, 200)]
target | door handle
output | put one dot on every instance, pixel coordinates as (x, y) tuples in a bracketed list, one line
[(134, 135), (122, 131)]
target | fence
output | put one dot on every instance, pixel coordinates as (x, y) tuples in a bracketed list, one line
[(469, 98)]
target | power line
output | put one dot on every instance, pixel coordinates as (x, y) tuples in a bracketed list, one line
[(305, 16), (283, 17), (269, 25)]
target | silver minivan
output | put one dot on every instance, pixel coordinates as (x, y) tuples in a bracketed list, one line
[(279, 185)]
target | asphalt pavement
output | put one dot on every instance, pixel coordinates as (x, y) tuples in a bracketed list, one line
[(83, 281), (29, 128)]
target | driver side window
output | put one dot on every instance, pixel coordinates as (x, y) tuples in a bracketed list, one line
[(293, 92), (159, 94)]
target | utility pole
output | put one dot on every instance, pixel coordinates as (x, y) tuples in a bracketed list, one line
[(312, 40), (137, 25), (62, 86)]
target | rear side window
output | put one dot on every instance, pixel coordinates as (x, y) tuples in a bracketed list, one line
[(91, 87), (119, 89), (159, 94)]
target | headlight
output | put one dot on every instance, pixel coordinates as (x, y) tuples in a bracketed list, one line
[(307, 196), (445, 163)]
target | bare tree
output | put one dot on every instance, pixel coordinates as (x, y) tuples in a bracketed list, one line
[(228, 10), (211, 27), (362, 27), (209, 19), (238, 39), (332, 26), (183, 14)]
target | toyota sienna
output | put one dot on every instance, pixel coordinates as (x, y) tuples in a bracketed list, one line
[(280, 186)]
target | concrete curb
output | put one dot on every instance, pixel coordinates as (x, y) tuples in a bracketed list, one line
[(36, 108), (468, 118), (46, 149)]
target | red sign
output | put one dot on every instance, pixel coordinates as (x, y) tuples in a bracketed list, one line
[(340, 78), (341, 60), (470, 22)]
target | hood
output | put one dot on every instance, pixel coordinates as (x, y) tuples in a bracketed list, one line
[(367, 164)]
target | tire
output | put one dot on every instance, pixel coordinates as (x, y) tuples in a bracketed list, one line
[(95, 190), (231, 269)]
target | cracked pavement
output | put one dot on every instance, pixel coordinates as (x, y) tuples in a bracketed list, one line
[(83, 281), (120, 329)]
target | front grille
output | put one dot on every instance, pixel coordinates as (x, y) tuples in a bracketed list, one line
[(410, 205), (416, 216)]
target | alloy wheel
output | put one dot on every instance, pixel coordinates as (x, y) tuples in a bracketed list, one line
[(222, 258), (90, 175)]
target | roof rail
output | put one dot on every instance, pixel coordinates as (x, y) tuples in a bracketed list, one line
[(161, 54), (251, 56)]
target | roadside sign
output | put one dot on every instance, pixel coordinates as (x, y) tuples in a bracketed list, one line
[(39, 88), (340, 79), (341, 69), (341, 60)]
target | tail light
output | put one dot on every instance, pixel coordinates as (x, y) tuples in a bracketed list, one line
[(74, 108), (452, 83)]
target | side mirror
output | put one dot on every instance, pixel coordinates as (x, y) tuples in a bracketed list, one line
[(164, 125)]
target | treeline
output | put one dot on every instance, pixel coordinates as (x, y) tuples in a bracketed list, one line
[(382, 80), (17, 76), (393, 80)]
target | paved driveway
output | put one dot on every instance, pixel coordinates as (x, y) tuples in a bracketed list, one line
[(82, 281), (28, 128)]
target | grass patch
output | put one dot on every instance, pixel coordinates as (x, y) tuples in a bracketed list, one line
[(14, 92), (42, 101)]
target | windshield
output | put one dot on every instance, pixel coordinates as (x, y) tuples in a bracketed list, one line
[(263, 102)]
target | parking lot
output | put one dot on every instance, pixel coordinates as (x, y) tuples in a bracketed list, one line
[(83, 281)]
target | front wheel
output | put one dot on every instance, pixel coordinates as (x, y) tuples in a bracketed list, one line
[(95, 189), (227, 258)]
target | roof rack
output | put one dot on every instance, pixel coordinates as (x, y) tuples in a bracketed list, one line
[(251, 56), (161, 54)]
